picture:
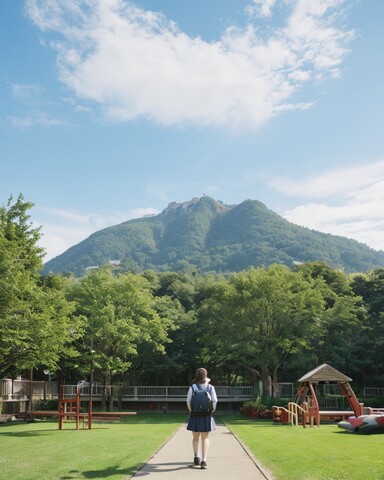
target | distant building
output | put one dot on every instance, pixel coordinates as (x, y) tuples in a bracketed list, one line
[(114, 262)]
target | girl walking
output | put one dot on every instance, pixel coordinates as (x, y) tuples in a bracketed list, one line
[(200, 426)]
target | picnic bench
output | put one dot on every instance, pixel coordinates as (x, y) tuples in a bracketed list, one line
[(106, 416), (81, 416), (110, 416), (35, 413)]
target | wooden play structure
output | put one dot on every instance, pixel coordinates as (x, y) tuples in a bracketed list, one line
[(70, 410), (305, 408)]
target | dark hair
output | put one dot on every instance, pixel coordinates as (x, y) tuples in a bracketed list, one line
[(200, 375)]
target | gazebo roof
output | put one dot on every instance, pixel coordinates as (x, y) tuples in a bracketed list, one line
[(324, 373)]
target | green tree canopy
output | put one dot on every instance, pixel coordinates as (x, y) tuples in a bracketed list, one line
[(121, 314), (260, 318), (34, 317)]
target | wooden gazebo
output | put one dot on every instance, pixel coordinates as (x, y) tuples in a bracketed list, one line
[(306, 394)]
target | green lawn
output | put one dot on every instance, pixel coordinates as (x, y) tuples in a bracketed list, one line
[(323, 453), (40, 451)]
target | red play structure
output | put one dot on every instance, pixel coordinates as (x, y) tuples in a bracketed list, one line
[(69, 409), (305, 407)]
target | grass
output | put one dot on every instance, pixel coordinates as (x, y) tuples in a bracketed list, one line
[(39, 450), (323, 453)]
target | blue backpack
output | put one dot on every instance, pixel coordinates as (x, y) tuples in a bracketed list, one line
[(201, 401)]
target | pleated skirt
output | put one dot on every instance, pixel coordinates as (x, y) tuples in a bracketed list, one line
[(201, 424)]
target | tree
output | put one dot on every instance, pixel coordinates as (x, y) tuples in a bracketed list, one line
[(34, 317), (343, 329), (370, 287), (179, 291), (120, 315), (260, 318)]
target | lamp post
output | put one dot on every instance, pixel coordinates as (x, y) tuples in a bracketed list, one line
[(90, 391)]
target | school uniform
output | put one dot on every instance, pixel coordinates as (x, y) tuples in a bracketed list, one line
[(198, 423)]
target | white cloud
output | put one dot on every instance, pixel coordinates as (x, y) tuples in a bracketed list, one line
[(29, 93), (334, 182), (261, 8), (33, 120), (137, 63), (64, 228), (350, 202)]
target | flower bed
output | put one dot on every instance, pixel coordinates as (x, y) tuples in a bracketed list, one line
[(255, 409)]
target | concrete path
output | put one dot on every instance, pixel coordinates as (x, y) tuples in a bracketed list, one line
[(227, 459)]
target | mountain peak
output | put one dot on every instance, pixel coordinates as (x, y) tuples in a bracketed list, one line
[(190, 204), (205, 235)]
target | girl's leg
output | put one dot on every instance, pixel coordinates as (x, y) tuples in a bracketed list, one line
[(195, 443), (205, 445)]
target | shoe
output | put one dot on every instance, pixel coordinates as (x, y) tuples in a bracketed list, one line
[(196, 460), (203, 464)]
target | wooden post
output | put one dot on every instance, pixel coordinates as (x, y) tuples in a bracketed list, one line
[(90, 408)]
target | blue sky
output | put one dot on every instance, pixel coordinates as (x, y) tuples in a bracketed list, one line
[(111, 109)]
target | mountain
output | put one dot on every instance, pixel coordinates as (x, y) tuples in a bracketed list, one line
[(207, 236)]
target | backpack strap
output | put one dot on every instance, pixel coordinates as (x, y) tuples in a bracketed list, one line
[(196, 387)]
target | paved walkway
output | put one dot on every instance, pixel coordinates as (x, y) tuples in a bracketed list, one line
[(227, 459)]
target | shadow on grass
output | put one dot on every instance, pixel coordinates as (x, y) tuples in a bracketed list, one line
[(145, 418), (104, 473), (32, 433), (28, 429), (47, 427)]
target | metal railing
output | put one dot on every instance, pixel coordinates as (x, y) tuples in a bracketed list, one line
[(23, 389), (295, 413), (374, 391), (154, 392), (283, 389), (40, 390)]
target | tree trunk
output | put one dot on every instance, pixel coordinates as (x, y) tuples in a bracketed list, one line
[(276, 389), (267, 382), (104, 394), (108, 392)]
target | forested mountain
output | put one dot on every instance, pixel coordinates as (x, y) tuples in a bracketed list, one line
[(205, 235)]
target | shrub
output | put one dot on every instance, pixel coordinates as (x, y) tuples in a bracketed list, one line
[(46, 405), (256, 409)]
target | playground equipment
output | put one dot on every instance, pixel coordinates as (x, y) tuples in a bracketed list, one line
[(305, 408), (364, 424), (69, 409)]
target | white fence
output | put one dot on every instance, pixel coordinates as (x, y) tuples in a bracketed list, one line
[(283, 389), (23, 389), (39, 390), (144, 393), (374, 391)]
